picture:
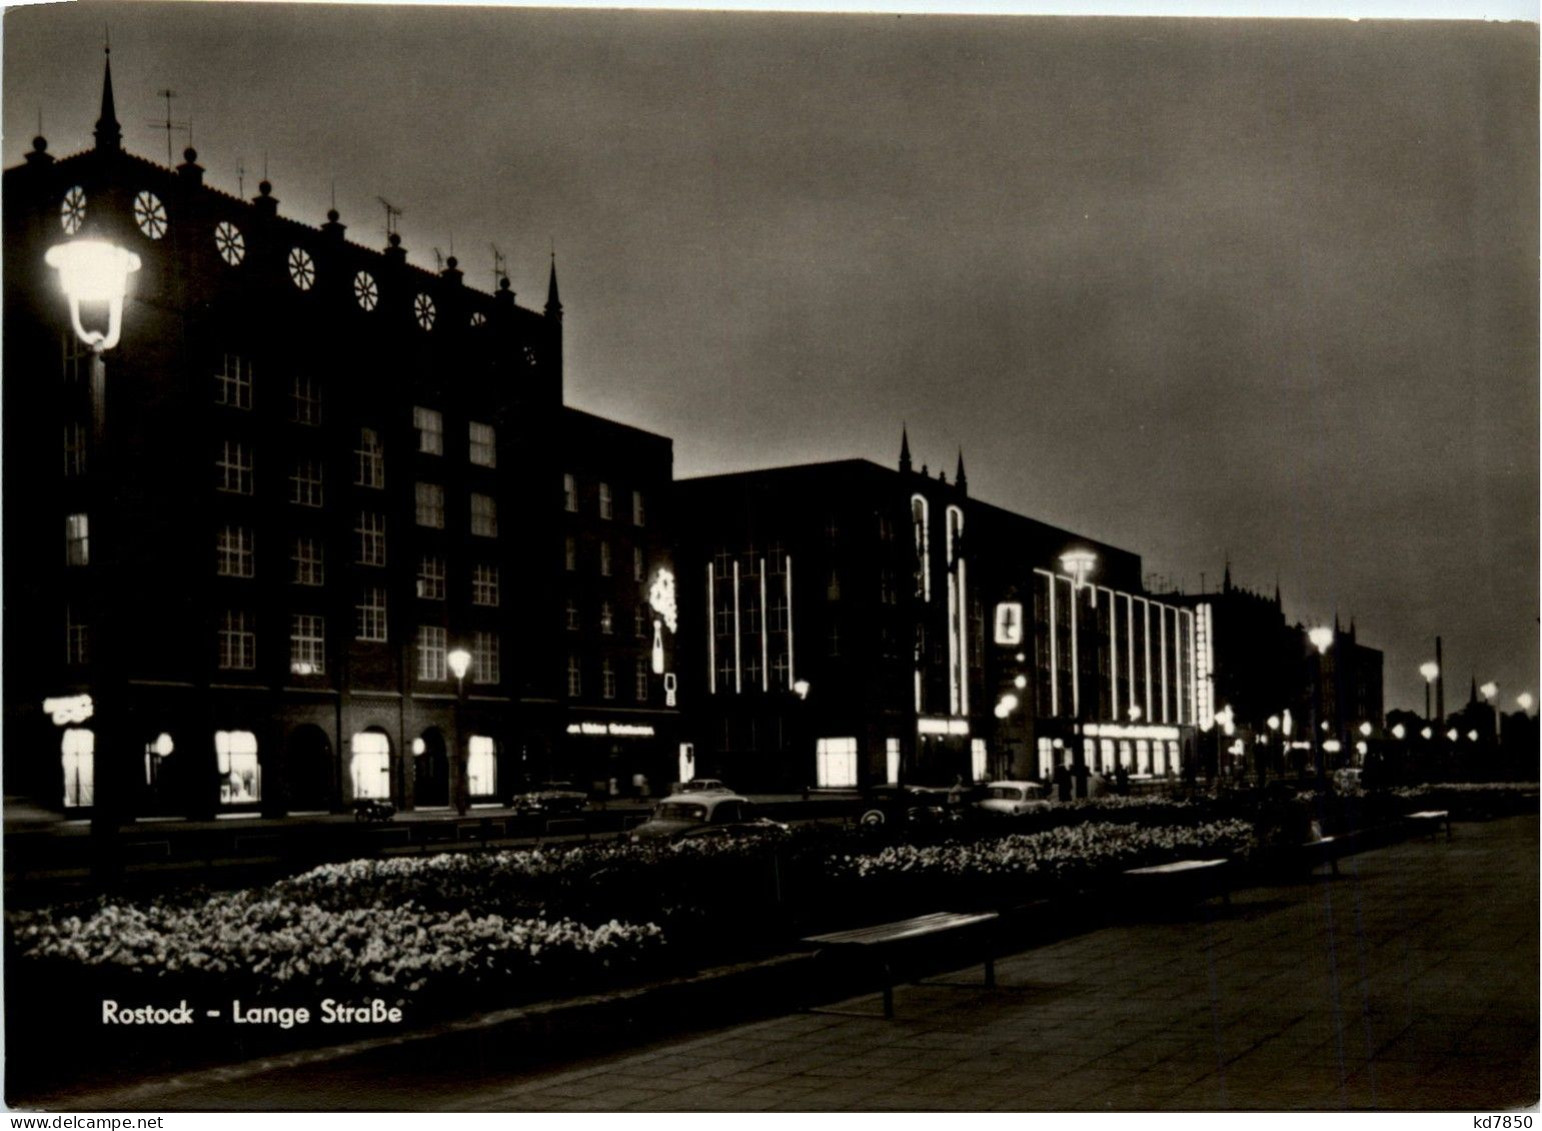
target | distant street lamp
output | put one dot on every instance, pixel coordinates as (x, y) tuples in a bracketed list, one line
[(1399, 731), (1430, 670), (1524, 700), (1322, 639), (95, 273), (1079, 563), (459, 662)]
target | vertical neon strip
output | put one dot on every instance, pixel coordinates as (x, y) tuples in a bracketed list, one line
[(1054, 652), (1113, 655), (1145, 616), (1193, 669), (790, 677), (738, 677), (952, 645), (1076, 683), (1129, 641), (963, 639), (711, 635), (765, 633), (1162, 656)]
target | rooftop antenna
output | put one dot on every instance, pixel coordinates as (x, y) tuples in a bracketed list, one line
[(334, 194), (438, 260), (169, 125), (393, 215), (241, 178), (499, 262)]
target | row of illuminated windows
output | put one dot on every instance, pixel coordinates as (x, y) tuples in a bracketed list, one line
[(606, 619), (774, 560), (237, 639), (236, 556), (235, 464), (753, 675), (605, 562), (240, 770), (607, 673), (749, 614), (607, 506)]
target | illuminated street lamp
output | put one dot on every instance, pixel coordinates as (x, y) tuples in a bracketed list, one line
[(459, 661), (1430, 670), (1322, 639), (1399, 731), (1524, 700), (1427, 733), (94, 273), (1079, 563)]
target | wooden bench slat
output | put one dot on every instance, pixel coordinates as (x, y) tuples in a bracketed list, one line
[(908, 928), (1177, 866)]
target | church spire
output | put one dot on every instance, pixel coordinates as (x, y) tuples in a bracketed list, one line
[(904, 450), (959, 477), (553, 303), (109, 135), (1226, 577)]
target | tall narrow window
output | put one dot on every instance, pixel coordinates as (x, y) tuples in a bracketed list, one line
[(570, 493), (638, 566), (369, 539), (431, 578), (640, 623), (481, 766), (77, 540), (607, 618), (484, 586), (484, 658), (607, 680), (433, 645), (305, 558), (74, 448), (570, 554), (484, 515), (639, 515), (238, 641), (233, 383), (484, 444), (572, 615), (369, 456), (605, 505), (835, 764), (640, 677), (370, 614), (575, 678), (430, 505), (605, 559), (234, 465), (304, 400), (77, 649), (305, 482), (307, 644), (921, 521), (430, 428), (78, 755), (233, 552)]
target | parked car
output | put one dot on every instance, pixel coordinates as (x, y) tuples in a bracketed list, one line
[(1347, 778), (700, 785), (704, 814), (373, 809), (552, 797), (1010, 798), (912, 805)]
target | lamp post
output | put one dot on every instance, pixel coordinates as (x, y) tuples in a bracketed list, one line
[(459, 662), (1079, 564), (1490, 693), (1322, 639), (94, 274), (1430, 670)]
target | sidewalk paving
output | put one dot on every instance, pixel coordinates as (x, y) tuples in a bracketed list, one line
[(1408, 983)]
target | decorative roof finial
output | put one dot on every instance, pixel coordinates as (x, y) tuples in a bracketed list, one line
[(958, 476), (553, 303), (904, 464)]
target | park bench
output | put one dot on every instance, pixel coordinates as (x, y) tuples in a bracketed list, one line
[(881, 941), (1194, 877), (1431, 820)]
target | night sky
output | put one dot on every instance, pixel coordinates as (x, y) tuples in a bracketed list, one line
[(1193, 287)]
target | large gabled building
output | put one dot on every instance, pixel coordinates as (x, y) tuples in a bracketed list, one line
[(306, 477)]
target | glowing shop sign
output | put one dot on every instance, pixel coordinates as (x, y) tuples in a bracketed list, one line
[(69, 709), (612, 730), (942, 726), (1111, 730), (670, 687), (661, 596), (1009, 622)]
